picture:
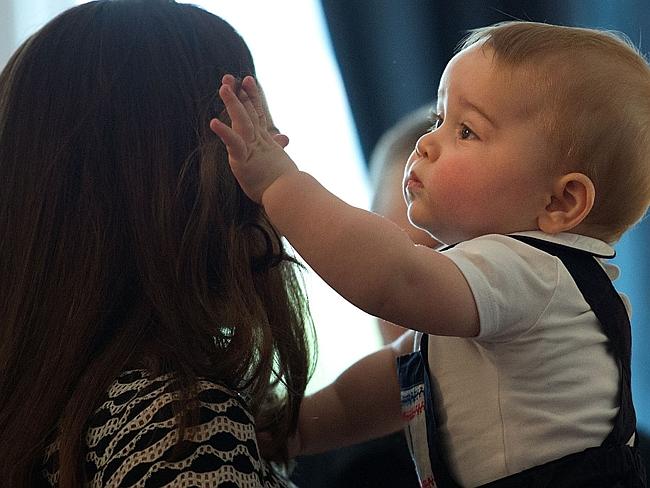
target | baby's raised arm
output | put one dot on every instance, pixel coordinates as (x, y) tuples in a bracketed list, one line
[(366, 258)]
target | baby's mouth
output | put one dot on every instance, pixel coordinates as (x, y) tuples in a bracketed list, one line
[(413, 182)]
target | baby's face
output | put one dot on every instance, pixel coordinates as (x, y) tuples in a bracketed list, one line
[(483, 170)]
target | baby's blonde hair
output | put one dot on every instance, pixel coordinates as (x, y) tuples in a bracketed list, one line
[(592, 92)]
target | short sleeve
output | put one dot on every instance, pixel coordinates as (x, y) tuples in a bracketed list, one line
[(512, 283)]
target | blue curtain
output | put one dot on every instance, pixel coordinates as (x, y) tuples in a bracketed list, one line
[(392, 54)]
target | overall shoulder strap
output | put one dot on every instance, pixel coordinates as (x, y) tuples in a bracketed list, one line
[(606, 303)]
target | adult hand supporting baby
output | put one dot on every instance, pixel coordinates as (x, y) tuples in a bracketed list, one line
[(256, 156)]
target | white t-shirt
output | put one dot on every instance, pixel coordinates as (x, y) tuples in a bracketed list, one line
[(538, 382)]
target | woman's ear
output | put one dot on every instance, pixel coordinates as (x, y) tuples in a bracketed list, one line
[(571, 201)]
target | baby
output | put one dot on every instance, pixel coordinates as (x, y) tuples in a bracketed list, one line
[(519, 371)]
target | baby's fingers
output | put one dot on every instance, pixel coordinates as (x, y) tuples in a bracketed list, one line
[(239, 114), (230, 80), (249, 85), (234, 144)]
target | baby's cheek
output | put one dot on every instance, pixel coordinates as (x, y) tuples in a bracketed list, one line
[(459, 186), (468, 199)]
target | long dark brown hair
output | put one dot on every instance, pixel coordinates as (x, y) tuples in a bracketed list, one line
[(124, 238)]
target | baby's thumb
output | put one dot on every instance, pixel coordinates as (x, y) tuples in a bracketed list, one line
[(282, 140), (293, 445), (269, 449), (266, 446)]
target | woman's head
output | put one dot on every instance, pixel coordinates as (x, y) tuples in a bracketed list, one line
[(124, 233)]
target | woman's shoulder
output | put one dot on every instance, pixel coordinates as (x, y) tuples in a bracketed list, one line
[(131, 439), (137, 401), (136, 397)]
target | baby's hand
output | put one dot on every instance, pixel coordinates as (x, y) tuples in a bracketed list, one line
[(256, 157), (270, 450)]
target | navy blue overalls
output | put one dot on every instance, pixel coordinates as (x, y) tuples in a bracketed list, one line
[(613, 464)]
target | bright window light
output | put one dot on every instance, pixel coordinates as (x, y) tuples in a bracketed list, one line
[(21, 18), (296, 67)]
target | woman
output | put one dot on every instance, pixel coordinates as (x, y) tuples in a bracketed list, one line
[(143, 297)]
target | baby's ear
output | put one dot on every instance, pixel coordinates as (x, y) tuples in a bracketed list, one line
[(571, 201)]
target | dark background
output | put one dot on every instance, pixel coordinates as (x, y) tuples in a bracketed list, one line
[(391, 54)]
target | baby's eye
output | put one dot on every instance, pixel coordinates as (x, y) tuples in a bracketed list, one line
[(466, 132)]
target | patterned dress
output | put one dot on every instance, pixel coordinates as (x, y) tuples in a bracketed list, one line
[(130, 438)]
